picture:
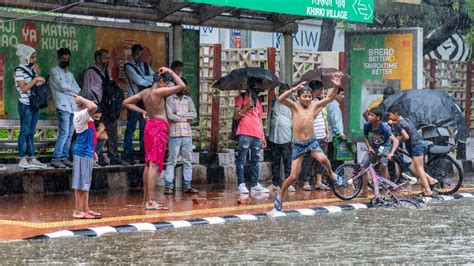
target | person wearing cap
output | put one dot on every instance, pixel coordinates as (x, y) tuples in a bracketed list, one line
[(25, 79), (156, 129), (387, 92)]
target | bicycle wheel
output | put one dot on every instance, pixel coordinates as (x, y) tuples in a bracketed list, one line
[(448, 173), (406, 204), (352, 186)]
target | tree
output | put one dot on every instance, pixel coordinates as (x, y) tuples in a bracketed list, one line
[(444, 17)]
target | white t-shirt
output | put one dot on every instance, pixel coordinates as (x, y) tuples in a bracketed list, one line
[(81, 119), (319, 126)]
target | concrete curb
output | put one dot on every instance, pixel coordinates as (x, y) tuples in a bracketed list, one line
[(139, 227)]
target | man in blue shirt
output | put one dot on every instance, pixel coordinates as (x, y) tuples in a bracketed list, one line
[(64, 88), (140, 76)]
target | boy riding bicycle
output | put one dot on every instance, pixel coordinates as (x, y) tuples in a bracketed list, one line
[(381, 139)]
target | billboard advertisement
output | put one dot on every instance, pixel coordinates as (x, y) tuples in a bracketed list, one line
[(378, 59), (82, 40)]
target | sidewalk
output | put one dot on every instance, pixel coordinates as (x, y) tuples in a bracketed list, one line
[(29, 215)]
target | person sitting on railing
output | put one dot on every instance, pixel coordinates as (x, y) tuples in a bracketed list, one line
[(25, 80), (101, 136)]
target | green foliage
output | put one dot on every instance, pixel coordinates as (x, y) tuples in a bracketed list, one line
[(470, 13)]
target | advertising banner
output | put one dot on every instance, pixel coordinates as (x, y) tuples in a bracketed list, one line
[(82, 40), (378, 59)]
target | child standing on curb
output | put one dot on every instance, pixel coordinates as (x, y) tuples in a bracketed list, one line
[(83, 158)]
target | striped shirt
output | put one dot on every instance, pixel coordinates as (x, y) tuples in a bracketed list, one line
[(319, 125), (20, 75), (180, 114)]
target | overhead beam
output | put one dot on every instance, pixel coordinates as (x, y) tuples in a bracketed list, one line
[(150, 14), (283, 20), (207, 12), (167, 7)]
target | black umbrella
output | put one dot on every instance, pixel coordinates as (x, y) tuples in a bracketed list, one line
[(324, 75), (429, 107), (237, 79)]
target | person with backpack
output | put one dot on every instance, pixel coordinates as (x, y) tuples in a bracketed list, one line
[(107, 94), (26, 80), (64, 88), (139, 76)]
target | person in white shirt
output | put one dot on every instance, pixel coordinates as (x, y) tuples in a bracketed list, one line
[(25, 79)]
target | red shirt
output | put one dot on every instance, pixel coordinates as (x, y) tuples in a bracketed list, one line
[(249, 124)]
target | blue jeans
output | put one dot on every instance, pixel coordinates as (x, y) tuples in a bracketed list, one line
[(253, 144), (98, 148), (175, 145), (132, 119), (28, 121), (66, 129)]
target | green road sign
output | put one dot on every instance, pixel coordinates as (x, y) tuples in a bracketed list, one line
[(351, 10)]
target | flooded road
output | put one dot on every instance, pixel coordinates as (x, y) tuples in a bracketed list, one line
[(441, 232)]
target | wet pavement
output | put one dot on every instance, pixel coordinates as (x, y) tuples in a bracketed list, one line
[(442, 232), (26, 215)]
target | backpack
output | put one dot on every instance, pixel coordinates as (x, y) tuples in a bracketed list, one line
[(112, 97), (38, 94)]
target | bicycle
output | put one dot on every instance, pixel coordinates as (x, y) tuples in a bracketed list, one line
[(384, 189), (439, 165)]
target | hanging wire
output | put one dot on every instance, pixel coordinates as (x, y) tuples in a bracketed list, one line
[(37, 15)]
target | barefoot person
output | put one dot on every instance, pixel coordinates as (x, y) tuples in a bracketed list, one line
[(84, 157), (303, 113), (156, 128)]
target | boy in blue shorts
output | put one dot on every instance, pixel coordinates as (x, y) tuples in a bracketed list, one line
[(378, 137), (416, 148), (83, 157)]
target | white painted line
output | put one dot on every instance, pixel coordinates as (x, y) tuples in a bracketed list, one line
[(426, 199), (333, 209), (214, 220), (446, 197), (274, 213), (306, 212), (144, 226), (247, 217), (103, 230), (62, 233), (358, 206), (466, 195), (179, 224)]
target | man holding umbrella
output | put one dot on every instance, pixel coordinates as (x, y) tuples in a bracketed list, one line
[(248, 112)]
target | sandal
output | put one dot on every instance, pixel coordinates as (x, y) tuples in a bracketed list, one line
[(339, 181), (84, 215), (155, 206), (94, 213), (434, 186), (433, 194), (277, 203)]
